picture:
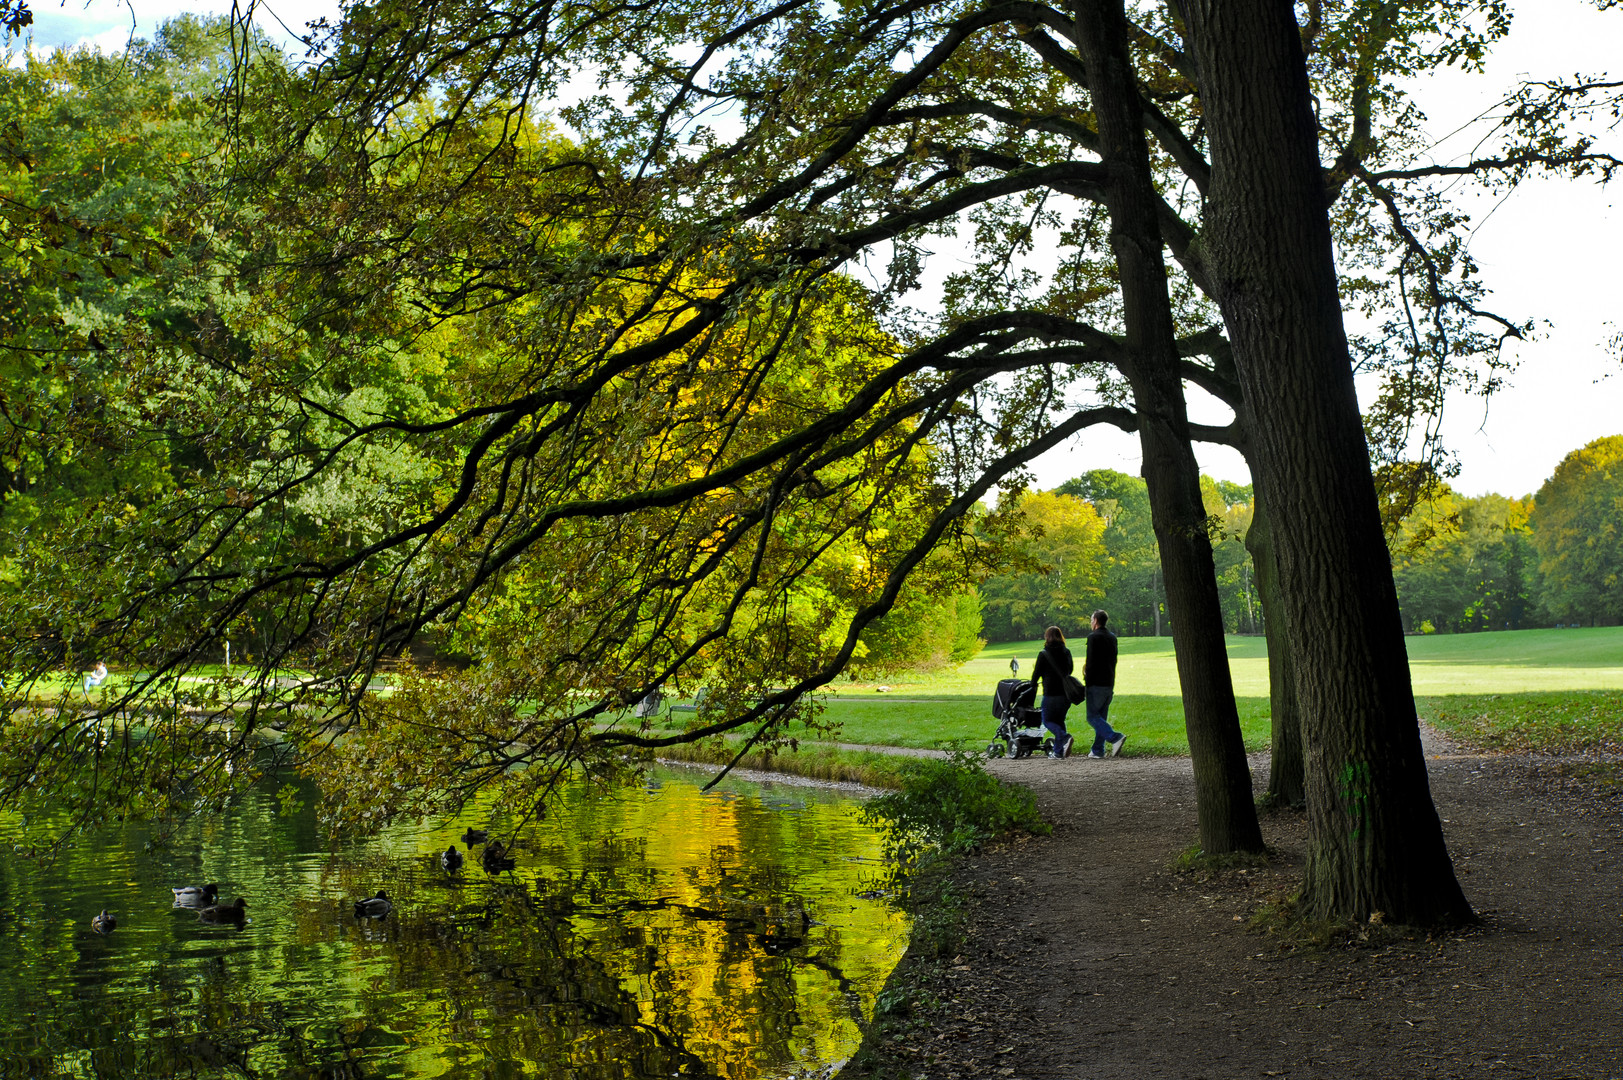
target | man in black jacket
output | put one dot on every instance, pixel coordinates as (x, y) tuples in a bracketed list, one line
[(1099, 678)]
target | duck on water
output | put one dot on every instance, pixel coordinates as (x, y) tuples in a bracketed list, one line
[(374, 908), (223, 913), (197, 896)]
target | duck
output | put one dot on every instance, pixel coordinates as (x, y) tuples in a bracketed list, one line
[(375, 908), (196, 895), (776, 944), (475, 836), (495, 858), (103, 923), (451, 859), (221, 913)]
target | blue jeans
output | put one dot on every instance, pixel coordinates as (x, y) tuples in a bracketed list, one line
[(1054, 709), (1099, 716)]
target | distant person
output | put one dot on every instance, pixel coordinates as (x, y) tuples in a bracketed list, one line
[(1099, 679), (1053, 664), (97, 676)]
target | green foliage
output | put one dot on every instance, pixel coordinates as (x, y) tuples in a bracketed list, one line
[(1132, 576), (1464, 564), (103, 254), (922, 634), (952, 805), (1120, 570), (940, 909), (445, 389), (1236, 578), (1067, 561), (1491, 562), (1578, 531), (945, 809), (968, 623)]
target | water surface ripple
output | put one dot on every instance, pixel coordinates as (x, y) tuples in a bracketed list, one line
[(649, 932)]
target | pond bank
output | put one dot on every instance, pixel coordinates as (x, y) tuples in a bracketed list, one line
[(839, 763), (1087, 956)]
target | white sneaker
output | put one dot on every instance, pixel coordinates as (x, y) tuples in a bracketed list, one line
[(1115, 747), (1095, 755)]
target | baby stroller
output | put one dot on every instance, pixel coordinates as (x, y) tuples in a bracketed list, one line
[(1019, 730)]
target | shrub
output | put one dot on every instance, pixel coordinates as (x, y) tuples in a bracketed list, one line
[(953, 806)]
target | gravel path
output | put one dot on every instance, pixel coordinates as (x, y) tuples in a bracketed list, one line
[(1090, 958)]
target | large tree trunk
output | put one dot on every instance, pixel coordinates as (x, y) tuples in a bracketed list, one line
[(1375, 843), (1226, 808), (1285, 780)]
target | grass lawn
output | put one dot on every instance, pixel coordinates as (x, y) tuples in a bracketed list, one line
[(1570, 722), (1462, 676), (1512, 690), (51, 689)]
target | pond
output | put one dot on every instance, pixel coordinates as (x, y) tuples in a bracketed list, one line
[(655, 931)]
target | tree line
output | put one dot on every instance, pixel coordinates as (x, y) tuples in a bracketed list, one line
[(1491, 562), (387, 360), (1090, 543), (1461, 563)]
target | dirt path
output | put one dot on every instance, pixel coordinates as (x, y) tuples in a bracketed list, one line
[(1091, 958)]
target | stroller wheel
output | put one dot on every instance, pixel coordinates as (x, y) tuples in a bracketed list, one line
[(994, 749)]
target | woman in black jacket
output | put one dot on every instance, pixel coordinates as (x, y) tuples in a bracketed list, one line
[(1053, 664)]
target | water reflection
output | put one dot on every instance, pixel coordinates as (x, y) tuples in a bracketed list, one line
[(652, 932)]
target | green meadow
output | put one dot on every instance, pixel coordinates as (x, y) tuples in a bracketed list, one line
[(1533, 687)]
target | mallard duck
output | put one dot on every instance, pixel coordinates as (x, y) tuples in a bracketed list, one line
[(375, 908), (451, 859), (103, 923), (495, 858), (221, 913), (196, 895), (475, 836)]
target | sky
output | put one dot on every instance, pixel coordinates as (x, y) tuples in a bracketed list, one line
[(1547, 251)]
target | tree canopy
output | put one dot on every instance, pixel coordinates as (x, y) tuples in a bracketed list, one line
[(1068, 560), (654, 404), (1490, 562), (1121, 571), (1578, 531)]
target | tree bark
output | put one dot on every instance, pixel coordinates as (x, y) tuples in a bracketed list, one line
[(1285, 780), (1225, 805), (1155, 595), (1375, 843)]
